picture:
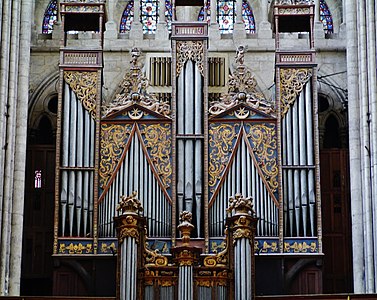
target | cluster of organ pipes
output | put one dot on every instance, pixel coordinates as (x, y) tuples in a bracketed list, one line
[(77, 175), (299, 167), (135, 174), (243, 177), (160, 71), (190, 142)]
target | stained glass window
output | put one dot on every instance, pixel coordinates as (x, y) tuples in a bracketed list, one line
[(168, 13), (149, 15), (226, 15), (127, 17), (248, 17), (326, 17), (50, 17), (201, 12)]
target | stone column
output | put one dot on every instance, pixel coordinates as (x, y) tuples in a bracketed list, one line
[(128, 224), (239, 31), (20, 148), (355, 148), (242, 229), (136, 32), (318, 26), (162, 30), (213, 28), (264, 27)]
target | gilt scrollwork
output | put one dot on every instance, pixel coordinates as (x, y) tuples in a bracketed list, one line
[(190, 50), (153, 258), (113, 141), (222, 138), (134, 91), (292, 81), (218, 260), (157, 140), (84, 85), (264, 144), (242, 89), (129, 204)]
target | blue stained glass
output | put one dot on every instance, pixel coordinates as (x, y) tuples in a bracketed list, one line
[(168, 13), (248, 17), (201, 13), (50, 17), (326, 17), (226, 15), (127, 17), (149, 15)]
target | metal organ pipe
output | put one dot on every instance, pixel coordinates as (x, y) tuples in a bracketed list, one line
[(298, 164), (135, 174), (252, 185)]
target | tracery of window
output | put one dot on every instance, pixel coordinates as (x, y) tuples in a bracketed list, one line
[(149, 15), (50, 17), (127, 17), (326, 17), (168, 13), (226, 15)]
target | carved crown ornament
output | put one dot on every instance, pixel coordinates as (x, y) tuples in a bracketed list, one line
[(242, 90), (130, 204), (241, 205), (134, 91)]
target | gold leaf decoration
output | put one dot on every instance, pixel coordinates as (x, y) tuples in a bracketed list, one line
[(221, 140), (84, 85), (157, 140), (190, 50), (292, 82), (264, 142), (113, 140)]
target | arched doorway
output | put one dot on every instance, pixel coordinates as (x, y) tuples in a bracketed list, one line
[(37, 266), (335, 197)]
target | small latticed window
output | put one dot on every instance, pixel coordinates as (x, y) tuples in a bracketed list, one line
[(326, 17), (50, 17), (216, 71), (127, 17)]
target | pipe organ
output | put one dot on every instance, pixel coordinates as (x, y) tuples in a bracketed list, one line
[(187, 138)]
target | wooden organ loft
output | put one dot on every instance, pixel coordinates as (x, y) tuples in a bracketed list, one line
[(197, 182)]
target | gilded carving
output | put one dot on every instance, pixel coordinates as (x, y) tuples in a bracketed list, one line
[(157, 140), (106, 248), (185, 227), (153, 258), (264, 143), (190, 50), (300, 247), (292, 2), (113, 140), (266, 247), (84, 85), (125, 232), (242, 89), (185, 258), (74, 248), (218, 260), (292, 82), (129, 204), (134, 91), (221, 142), (241, 205), (81, 8)]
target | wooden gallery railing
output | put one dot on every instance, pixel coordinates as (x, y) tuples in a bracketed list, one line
[(186, 273)]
